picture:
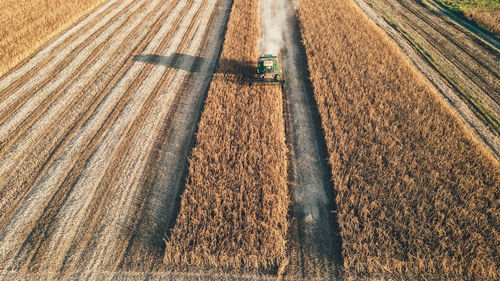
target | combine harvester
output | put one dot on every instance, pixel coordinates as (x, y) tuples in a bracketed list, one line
[(269, 71)]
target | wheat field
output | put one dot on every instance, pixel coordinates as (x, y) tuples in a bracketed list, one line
[(27, 25), (233, 212), (417, 195), (485, 13)]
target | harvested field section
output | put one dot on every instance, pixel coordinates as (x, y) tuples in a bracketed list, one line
[(80, 150), (416, 193), (233, 212), (466, 61), (43, 132), (27, 25)]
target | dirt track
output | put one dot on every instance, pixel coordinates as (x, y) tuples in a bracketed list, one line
[(83, 127), (460, 60), (318, 242)]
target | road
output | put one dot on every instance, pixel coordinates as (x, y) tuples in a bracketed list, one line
[(84, 128), (460, 60)]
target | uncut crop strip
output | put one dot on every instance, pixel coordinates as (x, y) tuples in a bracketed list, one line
[(233, 210), (55, 137), (415, 191), (27, 25), (58, 196), (32, 65)]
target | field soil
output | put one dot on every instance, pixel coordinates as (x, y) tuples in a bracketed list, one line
[(316, 247), (461, 60), (84, 126)]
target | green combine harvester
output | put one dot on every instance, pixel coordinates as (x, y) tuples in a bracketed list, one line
[(269, 70)]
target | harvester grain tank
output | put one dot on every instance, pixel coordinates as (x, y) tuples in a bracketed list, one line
[(269, 70)]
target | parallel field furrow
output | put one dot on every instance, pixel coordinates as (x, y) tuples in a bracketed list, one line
[(32, 64), (50, 63), (454, 60), (132, 167), (77, 111), (90, 179), (19, 120), (112, 110), (162, 126), (166, 163), (481, 72)]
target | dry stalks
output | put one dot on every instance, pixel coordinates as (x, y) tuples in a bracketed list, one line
[(489, 20), (417, 197), (233, 212), (28, 24)]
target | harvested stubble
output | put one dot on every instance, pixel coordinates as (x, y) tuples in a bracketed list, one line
[(417, 196), (28, 24), (233, 212)]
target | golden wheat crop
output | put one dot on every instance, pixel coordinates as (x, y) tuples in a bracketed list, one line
[(487, 19), (27, 25), (417, 196), (485, 13), (233, 212)]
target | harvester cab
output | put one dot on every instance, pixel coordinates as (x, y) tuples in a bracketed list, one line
[(269, 70)]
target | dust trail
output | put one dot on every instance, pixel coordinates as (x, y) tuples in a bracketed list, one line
[(274, 15)]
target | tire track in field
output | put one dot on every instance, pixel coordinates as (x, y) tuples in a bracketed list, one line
[(464, 72), (38, 106), (53, 137), (32, 64), (317, 245), (168, 160), (130, 185), (83, 246)]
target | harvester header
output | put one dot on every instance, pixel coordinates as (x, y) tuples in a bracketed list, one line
[(269, 70)]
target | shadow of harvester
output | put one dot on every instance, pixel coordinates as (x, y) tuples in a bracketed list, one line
[(177, 61), (238, 71)]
